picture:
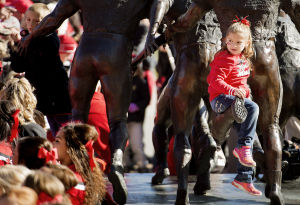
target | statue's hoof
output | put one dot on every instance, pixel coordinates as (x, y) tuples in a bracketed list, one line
[(276, 196), (117, 180), (160, 175), (182, 197), (201, 188)]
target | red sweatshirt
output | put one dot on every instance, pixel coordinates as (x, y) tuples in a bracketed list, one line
[(228, 72)]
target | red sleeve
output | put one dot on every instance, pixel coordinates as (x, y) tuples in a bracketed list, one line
[(220, 69)]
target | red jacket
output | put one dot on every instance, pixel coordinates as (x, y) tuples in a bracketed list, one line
[(5, 153), (228, 72), (77, 193), (98, 118)]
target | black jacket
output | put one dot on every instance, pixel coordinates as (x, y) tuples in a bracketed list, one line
[(44, 70)]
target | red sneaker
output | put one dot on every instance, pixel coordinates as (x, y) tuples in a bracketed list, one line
[(247, 187), (244, 155)]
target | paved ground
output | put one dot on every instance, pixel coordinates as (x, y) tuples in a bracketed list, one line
[(222, 193)]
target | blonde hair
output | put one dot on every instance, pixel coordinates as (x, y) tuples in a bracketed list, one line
[(63, 173), (21, 196), (44, 182), (14, 174), (76, 136), (239, 27), (39, 8), (5, 187), (20, 92)]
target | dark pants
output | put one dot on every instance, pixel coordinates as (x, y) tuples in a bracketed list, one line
[(57, 121)]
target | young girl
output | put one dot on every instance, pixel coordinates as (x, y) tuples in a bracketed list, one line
[(19, 196), (44, 70), (9, 123), (50, 189), (74, 144), (19, 91), (228, 88), (34, 152)]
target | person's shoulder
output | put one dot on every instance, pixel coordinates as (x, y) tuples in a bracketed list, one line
[(224, 58)]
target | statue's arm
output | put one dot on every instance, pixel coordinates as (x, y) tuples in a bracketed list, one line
[(190, 18), (292, 8), (63, 10), (158, 10)]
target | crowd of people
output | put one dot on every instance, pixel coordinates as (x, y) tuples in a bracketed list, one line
[(46, 158)]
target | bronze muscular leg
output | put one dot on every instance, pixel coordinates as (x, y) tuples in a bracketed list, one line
[(267, 92), (159, 135), (94, 61)]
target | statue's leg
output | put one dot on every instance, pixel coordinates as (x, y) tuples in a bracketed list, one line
[(159, 135), (267, 93), (204, 147), (82, 86), (107, 57), (117, 88), (186, 95)]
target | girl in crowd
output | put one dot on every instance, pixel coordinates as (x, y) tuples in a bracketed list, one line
[(15, 175), (50, 189), (74, 143), (34, 152), (19, 91), (19, 196), (9, 123), (44, 70), (228, 88)]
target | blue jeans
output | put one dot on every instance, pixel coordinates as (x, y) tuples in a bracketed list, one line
[(246, 130)]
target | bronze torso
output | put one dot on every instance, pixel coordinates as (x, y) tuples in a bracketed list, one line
[(262, 14), (113, 16)]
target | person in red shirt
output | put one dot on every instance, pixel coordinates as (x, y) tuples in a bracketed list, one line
[(229, 96), (74, 143)]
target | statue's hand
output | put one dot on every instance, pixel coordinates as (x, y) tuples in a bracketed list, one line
[(24, 43), (150, 45)]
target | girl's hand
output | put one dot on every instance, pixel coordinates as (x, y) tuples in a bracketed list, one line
[(241, 93)]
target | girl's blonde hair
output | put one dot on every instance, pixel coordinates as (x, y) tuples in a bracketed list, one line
[(63, 173), (76, 136), (239, 27), (20, 92), (44, 182), (14, 174), (41, 9), (22, 196)]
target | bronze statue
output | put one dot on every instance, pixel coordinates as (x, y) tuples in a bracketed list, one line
[(265, 83), (104, 54), (195, 49)]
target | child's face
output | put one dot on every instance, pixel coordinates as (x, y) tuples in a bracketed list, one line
[(32, 20), (61, 146), (236, 42)]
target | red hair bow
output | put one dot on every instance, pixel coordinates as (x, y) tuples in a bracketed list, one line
[(43, 197), (14, 129), (90, 151), (243, 20), (49, 156)]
